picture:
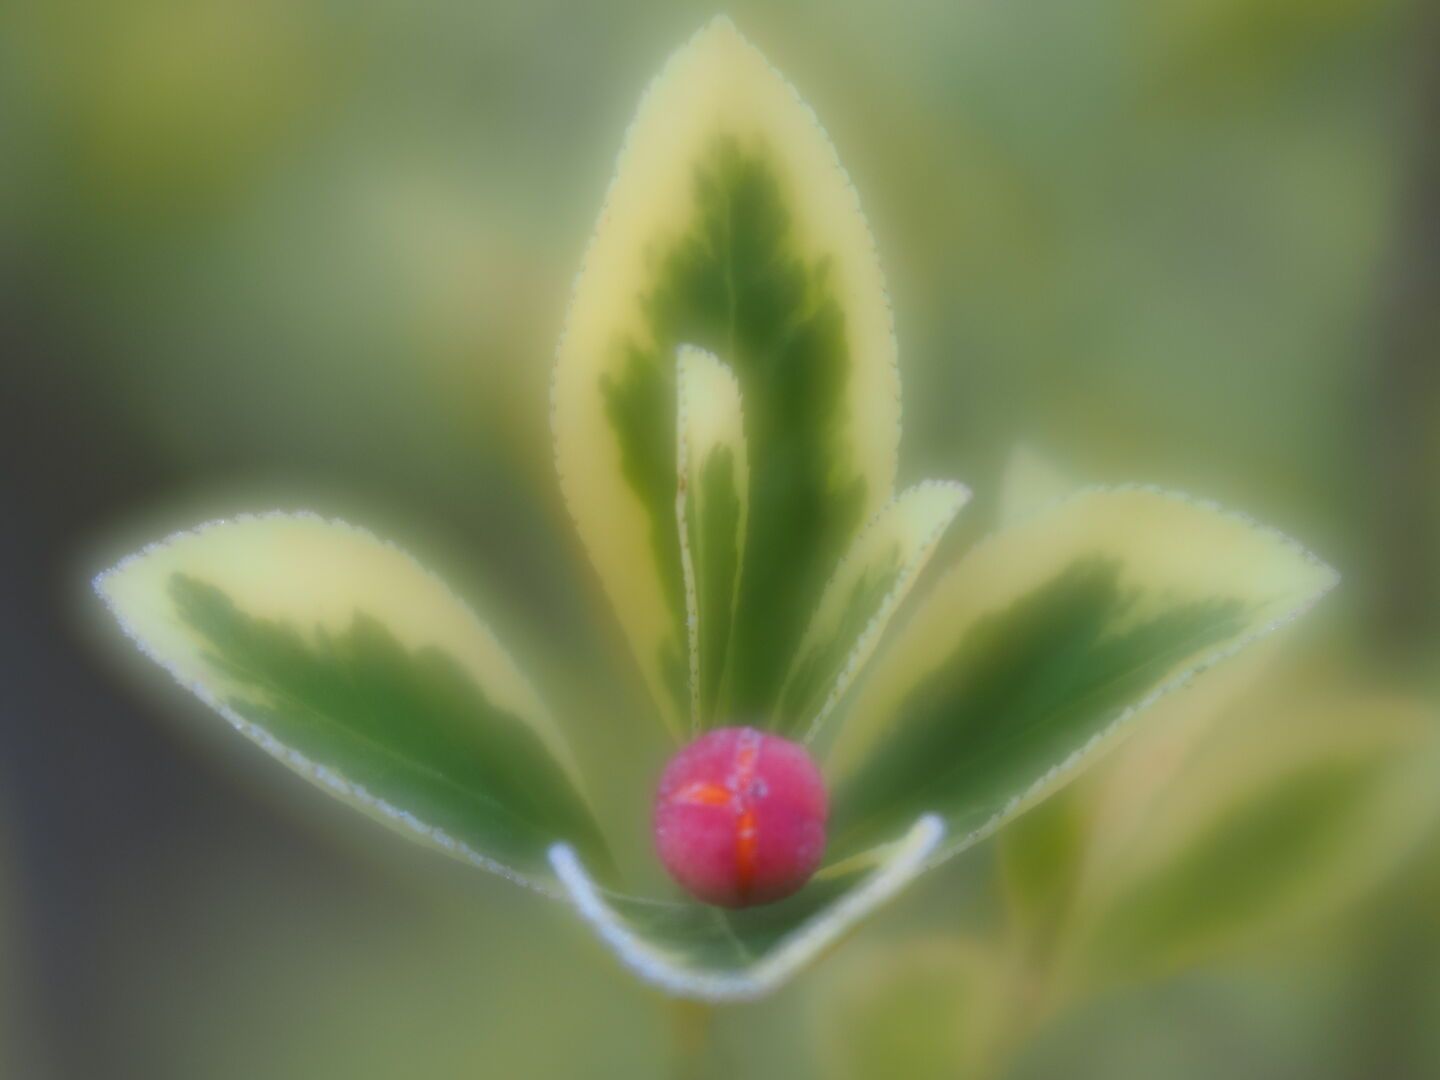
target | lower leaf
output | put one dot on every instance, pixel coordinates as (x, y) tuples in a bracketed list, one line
[(694, 950)]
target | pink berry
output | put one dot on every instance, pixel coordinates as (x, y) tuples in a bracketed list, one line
[(740, 817)]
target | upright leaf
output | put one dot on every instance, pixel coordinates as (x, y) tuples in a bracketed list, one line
[(712, 507), (873, 578), (1032, 652), (343, 658), (730, 225)]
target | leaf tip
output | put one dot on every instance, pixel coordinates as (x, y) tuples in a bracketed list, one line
[(953, 493)]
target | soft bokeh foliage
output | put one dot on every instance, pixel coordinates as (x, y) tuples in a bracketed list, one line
[(1235, 829), (318, 255)]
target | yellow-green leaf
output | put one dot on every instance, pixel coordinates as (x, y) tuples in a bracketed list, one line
[(1303, 797), (343, 658), (730, 225), (872, 580), (1035, 649), (713, 501)]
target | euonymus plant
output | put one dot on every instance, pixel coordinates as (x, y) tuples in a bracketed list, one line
[(726, 410)]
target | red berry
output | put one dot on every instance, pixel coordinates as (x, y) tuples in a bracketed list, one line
[(740, 817)]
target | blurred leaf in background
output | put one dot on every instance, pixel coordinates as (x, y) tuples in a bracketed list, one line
[(1278, 822), (1229, 831)]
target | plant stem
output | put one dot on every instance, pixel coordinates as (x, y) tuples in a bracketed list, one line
[(693, 1023)]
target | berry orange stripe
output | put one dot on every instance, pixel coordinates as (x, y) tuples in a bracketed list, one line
[(747, 757)]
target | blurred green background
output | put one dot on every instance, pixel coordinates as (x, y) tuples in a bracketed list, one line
[(304, 253)]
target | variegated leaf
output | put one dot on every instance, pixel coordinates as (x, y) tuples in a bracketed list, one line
[(873, 578), (712, 505), (730, 225), (697, 951), (1037, 647), (343, 658), (1305, 796)]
